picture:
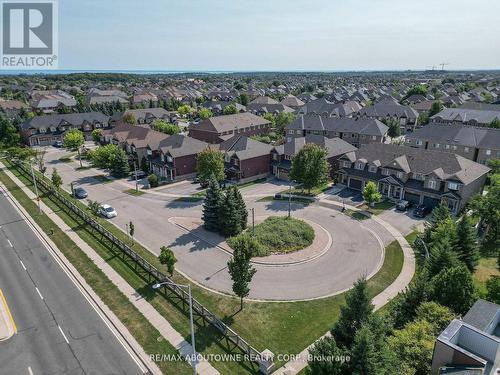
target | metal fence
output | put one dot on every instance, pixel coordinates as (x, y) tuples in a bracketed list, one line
[(153, 274)]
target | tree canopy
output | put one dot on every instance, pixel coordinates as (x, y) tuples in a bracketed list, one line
[(310, 167), (210, 162)]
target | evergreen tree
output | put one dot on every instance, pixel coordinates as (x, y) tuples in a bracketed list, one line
[(120, 167), (230, 214), (211, 205), (465, 245), (403, 308), (242, 209), (327, 348), (439, 214), (357, 310), (454, 288), (442, 257)]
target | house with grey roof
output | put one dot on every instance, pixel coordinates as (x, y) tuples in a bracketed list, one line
[(467, 116), (217, 107), (389, 108), (145, 116), (417, 175), (470, 346), (219, 128), (47, 129), (48, 101), (282, 156), (292, 101), (245, 159), (274, 109), (326, 108), (475, 143), (174, 157), (356, 131)]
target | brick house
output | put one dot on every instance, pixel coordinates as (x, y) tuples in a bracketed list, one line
[(356, 131), (416, 175), (389, 108), (45, 130), (217, 129)]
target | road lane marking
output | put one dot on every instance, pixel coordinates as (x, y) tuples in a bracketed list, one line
[(9, 314), (62, 333), (30, 371), (22, 264), (10, 243), (40, 294)]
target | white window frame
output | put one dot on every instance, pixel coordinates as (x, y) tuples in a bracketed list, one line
[(452, 185), (372, 169), (432, 184)]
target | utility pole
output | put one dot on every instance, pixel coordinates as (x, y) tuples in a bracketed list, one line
[(253, 222), (135, 173), (36, 188), (289, 198)]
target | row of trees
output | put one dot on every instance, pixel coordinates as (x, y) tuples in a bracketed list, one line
[(111, 157)]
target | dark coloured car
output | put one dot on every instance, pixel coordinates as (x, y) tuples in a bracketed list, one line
[(403, 205), (422, 211), (80, 193)]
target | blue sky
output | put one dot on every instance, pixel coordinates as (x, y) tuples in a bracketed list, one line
[(278, 34)]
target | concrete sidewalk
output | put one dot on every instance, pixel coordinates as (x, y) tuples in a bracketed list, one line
[(398, 285), (157, 320), (7, 325)]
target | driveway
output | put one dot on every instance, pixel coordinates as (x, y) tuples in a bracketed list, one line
[(344, 195), (404, 222)]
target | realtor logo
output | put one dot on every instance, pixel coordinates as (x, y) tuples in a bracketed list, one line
[(29, 34)]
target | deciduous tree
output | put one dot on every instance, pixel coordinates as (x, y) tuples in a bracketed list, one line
[(371, 194), (210, 162), (310, 167), (73, 140), (239, 266), (167, 257)]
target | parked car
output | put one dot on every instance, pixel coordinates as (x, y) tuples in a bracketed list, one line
[(422, 211), (80, 192), (403, 205), (107, 211), (58, 144), (139, 174)]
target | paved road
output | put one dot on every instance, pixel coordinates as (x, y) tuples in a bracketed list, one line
[(58, 330), (355, 251)]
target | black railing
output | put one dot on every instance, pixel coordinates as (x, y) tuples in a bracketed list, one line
[(157, 276)]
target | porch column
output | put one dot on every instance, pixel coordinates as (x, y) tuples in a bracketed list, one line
[(389, 190), (172, 175), (401, 194)]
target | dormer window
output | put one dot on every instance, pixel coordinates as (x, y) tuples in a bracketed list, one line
[(432, 184), (169, 159), (386, 172), (452, 186), (42, 130), (347, 164), (372, 169), (419, 142), (360, 166), (400, 174)]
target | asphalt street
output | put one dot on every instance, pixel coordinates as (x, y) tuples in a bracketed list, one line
[(59, 332)]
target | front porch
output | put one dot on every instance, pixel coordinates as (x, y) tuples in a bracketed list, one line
[(164, 171)]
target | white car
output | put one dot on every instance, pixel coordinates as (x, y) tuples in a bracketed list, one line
[(107, 211)]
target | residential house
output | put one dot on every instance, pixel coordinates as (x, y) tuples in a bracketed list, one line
[(356, 131), (217, 107), (47, 129), (12, 108), (416, 175), (261, 109), (475, 143), (245, 159), (49, 101), (473, 117), (220, 128), (470, 346), (326, 108), (389, 108), (282, 156), (146, 116), (145, 98), (264, 100), (174, 158), (292, 102), (97, 96)]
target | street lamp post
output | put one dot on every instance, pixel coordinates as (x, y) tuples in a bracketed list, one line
[(158, 285), (135, 173), (290, 198)]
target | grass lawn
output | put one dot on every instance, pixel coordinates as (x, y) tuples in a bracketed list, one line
[(486, 268), (145, 333), (250, 183), (356, 215), (83, 168), (67, 158), (282, 327), (134, 192), (378, 207), (189, 199), (199, 194), (315, 191), (280, 234)]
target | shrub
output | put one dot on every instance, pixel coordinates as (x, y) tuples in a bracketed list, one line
[(153, 180)]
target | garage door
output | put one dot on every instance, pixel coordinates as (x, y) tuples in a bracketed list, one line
[(355, 184), (431, 202), (411, 197)]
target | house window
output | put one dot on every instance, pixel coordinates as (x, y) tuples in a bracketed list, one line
[(418, 176), (466, 149), (386, 172), (360, 166), (436, 145), (352, 135), (400, 174), (432, 184), (488, 152), (227, 158), (372, 169), (419, 142), (447, 147), (452, 186), (42, 130), (362, 137), (408, 140), (275, 156), (374, 137), (97, 125), (347, 164), (170, 159)]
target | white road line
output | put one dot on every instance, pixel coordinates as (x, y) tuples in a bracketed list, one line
[(10, 243), (40, 294), (62, 333), (22, 264), (30, 370)]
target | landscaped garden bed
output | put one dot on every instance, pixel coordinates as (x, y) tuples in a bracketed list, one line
[(280, 235)]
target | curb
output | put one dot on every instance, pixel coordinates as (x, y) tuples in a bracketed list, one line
[(6, 317)]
